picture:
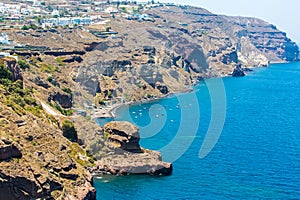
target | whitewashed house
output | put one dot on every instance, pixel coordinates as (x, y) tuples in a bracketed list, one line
[(55, 13), (4, 39)]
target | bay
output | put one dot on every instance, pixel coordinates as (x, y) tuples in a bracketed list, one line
[(257, 147)]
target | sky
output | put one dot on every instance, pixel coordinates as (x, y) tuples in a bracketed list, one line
[(282, 13)]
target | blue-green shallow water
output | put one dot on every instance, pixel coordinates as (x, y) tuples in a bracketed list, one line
[(257, 155)]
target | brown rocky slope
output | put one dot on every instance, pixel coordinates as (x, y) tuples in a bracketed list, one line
[(153, 58), (36, 160)]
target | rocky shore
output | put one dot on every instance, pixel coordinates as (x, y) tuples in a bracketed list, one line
[(125, 155)]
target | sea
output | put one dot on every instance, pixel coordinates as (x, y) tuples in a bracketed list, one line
[(231, 138)]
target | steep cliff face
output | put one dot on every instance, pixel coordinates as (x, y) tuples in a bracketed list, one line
[(183, 43), (153, 58), (270, 41), (36, 161)]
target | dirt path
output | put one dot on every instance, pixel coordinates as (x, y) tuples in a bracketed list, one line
[(50, 110)]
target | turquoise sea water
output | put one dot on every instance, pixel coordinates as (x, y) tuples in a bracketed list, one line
[(257, 155)]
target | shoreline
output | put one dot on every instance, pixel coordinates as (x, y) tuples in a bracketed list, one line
[(110, 112)]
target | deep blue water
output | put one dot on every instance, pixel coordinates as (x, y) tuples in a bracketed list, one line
[(257, 155)]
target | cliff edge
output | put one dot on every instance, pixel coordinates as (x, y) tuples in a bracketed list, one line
[(125, 156)]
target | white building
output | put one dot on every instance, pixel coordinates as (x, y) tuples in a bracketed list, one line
[(55, 13), (111, 10), (3, 8), (36, 3), (4, 54), (25, 11), (4, 39), (64, 21)]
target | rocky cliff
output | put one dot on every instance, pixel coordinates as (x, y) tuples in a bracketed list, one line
[(141, 59), (125, 156), (36, 160), (184, 43)]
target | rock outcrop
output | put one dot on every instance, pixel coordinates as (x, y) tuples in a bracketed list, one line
[(238, 72), (123, 136), (9, 151), (63, 99), (125, 156)]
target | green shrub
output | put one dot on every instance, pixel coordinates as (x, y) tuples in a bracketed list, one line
[(106, 135), (48, 68), (15, 87), (5, 73), (50, 79), (60, 62), (68, 112), (34, 110), (69, 131), (30, 101), (18, 100), (101, 102), (17, 108), (25, 28), (53, 120), (67, 90), (23, 64)]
